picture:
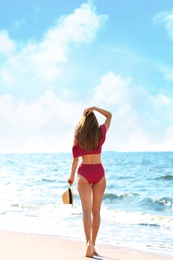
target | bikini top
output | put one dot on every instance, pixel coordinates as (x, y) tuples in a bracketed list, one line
[(78, 151)]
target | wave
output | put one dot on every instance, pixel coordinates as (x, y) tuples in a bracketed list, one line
[(166, 177), (48, 180), (165, 201), (138, 218), (157, 204), (112, 196), (111, 215), (136, 200)]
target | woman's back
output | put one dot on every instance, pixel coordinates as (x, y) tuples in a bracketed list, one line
[(91, 159)]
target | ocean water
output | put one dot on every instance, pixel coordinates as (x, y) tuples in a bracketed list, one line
[(137, 209)]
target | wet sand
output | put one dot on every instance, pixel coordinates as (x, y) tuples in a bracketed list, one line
[(21, 246)]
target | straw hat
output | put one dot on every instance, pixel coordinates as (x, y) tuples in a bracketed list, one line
[(68, 196)]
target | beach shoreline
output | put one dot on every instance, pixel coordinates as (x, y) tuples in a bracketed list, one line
[(25, 246)]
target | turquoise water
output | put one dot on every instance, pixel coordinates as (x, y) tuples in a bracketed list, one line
[(137, 209)]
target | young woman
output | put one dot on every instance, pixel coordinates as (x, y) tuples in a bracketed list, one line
[(91, 183)]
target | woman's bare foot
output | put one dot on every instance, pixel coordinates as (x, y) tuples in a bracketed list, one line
[(95, 252), (89, 250)]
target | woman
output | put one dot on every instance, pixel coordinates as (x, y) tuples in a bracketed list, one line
[(91, 182)]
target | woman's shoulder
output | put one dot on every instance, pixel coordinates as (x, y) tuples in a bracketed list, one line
[(103, 129)]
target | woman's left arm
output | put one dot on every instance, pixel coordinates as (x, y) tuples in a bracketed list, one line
[(73, 170)]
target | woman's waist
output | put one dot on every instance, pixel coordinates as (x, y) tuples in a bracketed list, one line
[(91, 159)]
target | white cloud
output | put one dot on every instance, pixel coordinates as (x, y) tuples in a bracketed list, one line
[(47, 125), (112, 89), (141, 121), (39, 63), (167, 19), (82, 25), (160, 101), (7, 46)]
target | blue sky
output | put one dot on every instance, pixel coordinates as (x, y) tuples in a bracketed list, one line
[(59, 57)]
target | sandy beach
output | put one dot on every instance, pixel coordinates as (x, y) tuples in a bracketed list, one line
[(19, 246)]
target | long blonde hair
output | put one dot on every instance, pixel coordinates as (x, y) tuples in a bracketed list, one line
[(88, 132)]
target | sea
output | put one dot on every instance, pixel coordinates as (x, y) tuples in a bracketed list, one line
[(137, 207)]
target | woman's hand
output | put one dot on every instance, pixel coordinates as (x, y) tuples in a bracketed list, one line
[(88, 110), (70, 181)]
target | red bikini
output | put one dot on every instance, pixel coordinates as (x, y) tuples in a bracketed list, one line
[(93, 173)]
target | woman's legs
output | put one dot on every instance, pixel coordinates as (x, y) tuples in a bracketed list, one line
[(91, 198), (98, 192)]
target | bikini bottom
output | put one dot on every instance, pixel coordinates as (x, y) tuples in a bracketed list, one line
[(93, 173)]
